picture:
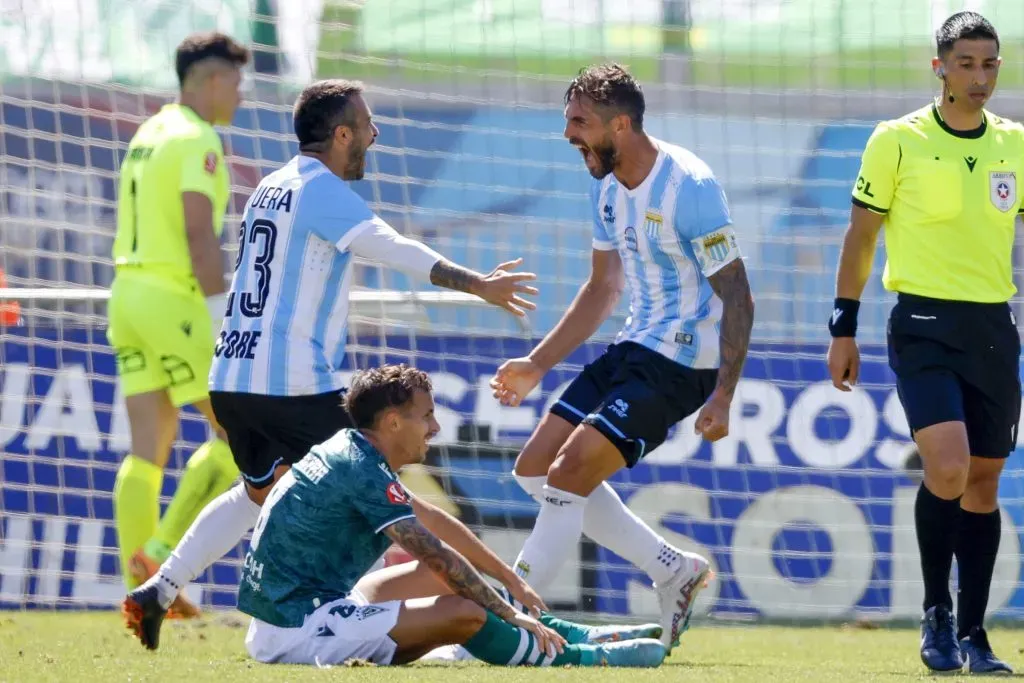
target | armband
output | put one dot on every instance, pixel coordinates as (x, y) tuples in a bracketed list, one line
[(715, 250)]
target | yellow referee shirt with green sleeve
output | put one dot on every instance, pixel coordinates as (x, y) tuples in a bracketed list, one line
[(950, 199), (159, 324)]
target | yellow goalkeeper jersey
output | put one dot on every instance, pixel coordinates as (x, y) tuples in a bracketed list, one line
[(950, 200), (174, 151)]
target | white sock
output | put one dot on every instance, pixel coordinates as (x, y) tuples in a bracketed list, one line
[(608, 522), (217, 529), (555, 535)]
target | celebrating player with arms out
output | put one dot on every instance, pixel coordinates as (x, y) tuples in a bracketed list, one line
[(275, 383), (943, 179), (171, 202), (661, 225), (332, 516)]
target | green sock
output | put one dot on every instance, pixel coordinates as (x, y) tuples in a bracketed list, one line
[(571, 631), (136, 508), (499, 642), (209, 473)]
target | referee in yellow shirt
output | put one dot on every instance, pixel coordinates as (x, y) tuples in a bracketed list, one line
[(167, 301), (943, 180)]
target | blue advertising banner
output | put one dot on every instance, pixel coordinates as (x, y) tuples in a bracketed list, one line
[(804, 509)]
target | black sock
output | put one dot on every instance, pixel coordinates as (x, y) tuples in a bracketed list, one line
[(936, 523), (976, 547)]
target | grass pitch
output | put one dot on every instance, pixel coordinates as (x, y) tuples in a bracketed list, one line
[(93, 647)]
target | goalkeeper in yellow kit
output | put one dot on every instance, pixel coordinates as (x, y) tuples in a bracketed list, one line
[(167, 301)]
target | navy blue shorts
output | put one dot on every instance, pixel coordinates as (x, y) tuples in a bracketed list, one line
[(633, 395), (958, 362)]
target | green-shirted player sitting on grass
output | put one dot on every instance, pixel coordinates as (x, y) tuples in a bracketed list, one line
[(330, 519)]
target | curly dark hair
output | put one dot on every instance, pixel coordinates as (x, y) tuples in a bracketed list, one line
[(613, 89), (199, 47), (375, 390), (321, 107)]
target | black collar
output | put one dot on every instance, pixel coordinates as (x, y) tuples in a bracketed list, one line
[(972, 134)]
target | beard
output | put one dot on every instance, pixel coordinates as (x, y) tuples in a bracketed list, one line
[(355, 169), (604, 155)]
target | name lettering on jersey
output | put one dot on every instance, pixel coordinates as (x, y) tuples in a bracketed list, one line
[(272, 198), (313, 468), (235, 344), (652, 224), (1003, 189), (970, 161), (139, 153)]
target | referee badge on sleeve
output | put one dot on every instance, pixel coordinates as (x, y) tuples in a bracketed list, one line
[(1002, 187)]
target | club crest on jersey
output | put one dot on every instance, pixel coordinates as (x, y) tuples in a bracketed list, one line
[(652, 224), (1003, 189), (630, 237), (716, 246), (396, 494), (210, 162)]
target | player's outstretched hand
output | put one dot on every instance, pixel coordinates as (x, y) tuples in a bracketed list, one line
[(502, 287), (713, 419), (843, 362), (521, 591), (548, 640), (515, 379)]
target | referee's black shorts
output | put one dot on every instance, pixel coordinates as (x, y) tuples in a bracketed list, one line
[(267, 431), (958, 361)]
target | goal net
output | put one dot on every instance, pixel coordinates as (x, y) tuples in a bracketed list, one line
[(805, 509)]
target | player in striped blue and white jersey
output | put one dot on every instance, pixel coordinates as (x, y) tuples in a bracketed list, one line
[(662, 231), (275, 381)]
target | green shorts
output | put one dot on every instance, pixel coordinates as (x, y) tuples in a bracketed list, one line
[(160, 330)]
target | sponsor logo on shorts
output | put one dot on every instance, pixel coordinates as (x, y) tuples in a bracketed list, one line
[(396, 494), (368, 611), (619, 407)]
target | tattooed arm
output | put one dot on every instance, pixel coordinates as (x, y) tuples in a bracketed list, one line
[(449, 566), (499, 287), (732, 287), (454, 533)]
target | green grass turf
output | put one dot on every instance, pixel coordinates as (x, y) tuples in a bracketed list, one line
[(93, 647)]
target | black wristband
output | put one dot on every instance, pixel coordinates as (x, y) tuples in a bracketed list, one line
[(843, 322)]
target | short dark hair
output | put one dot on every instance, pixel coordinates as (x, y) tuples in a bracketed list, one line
[(963, 26), (200, 46), (375, 390), (321, 107), (613, 88)]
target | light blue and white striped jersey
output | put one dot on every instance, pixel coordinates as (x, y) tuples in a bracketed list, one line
[(668, 232), (286, 325)]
